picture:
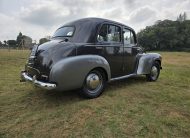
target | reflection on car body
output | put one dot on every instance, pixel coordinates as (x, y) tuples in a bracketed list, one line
[(88, 53)]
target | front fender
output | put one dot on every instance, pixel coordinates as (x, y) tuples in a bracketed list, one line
[(146, 61), (70, 73)]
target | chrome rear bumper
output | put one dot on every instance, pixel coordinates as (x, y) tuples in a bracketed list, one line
[(44, 85)]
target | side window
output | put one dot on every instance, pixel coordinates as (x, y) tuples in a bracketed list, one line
[(114, 33), (128, 37), (102, 36), (109, 33)]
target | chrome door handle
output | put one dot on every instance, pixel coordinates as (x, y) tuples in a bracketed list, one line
[(99, 47)]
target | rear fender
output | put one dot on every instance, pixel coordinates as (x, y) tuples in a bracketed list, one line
[(70, 73)]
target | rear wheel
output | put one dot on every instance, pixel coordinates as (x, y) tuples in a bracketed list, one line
[(154, 73), (94, 84)]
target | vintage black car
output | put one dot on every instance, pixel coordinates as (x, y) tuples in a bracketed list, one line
[(88, 53)]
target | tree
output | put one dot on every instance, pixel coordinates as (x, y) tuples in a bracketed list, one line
[(12, 43), (182, 17), (43, 40), (19, 39), (1, 44), (166, 35), (5, 43)]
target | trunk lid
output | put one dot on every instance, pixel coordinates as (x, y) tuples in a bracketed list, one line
[(44, 56)]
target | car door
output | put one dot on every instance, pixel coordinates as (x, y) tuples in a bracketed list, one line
[(110, 38), (130, 51)]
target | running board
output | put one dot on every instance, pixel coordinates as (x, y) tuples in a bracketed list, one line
[(123, 77)]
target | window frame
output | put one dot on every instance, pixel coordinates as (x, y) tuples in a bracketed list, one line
[(107, 42), (74, 29), (134, 36)]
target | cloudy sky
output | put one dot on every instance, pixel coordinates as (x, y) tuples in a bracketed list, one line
[(39, 18)]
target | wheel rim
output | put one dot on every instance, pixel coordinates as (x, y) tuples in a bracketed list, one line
[(93, 82), (154, 72)]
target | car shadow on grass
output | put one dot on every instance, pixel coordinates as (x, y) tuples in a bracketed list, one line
[(68, 97), (128, 81)]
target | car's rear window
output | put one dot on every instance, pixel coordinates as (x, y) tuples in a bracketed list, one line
[(67, 31)]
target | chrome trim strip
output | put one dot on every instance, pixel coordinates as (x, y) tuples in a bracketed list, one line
[(119, 45), (99, 47), (44, 85), (123, 77)]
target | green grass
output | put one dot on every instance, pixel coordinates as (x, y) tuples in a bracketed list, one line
[(127, 108)]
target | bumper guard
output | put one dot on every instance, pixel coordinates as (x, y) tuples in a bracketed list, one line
[(44, 85)]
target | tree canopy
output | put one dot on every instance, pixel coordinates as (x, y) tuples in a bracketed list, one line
[(12, 43), (19, 39), (166, 35), (43, 40)]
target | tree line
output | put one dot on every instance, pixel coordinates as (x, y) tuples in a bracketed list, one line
[(167, 35), (22, 41), (163, 35)]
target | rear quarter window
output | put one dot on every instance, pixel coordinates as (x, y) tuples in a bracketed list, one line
[(64, 32)]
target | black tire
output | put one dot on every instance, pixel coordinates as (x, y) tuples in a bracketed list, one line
[(91, 87), (154, 72)]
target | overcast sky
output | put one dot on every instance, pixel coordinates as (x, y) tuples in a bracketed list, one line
[(39, 18)]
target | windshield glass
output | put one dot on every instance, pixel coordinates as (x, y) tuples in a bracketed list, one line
[(64, 32)]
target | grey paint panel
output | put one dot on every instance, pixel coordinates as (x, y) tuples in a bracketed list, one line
[(123, 77), (70, 73), (146, 61)]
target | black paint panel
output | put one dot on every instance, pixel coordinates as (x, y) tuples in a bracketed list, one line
[(84, 42), (50, 53)]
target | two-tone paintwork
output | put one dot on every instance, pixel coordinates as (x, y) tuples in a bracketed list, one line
[(66, 61)]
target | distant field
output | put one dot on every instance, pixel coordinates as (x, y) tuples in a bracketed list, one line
[(127, 108)]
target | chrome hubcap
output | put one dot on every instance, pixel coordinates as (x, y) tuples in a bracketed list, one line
[(154, 72), (93, 81)]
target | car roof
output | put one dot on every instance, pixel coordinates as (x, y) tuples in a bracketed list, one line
[(86, 29), (95, 21)]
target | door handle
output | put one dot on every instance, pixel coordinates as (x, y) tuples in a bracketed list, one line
[(99, 47)]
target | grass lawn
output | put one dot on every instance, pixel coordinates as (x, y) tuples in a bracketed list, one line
[(127, 108)]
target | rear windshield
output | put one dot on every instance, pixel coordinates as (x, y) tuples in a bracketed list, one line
[(64, 32)]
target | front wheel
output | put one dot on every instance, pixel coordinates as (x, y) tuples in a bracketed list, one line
[(94, 84), (154, 73)]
